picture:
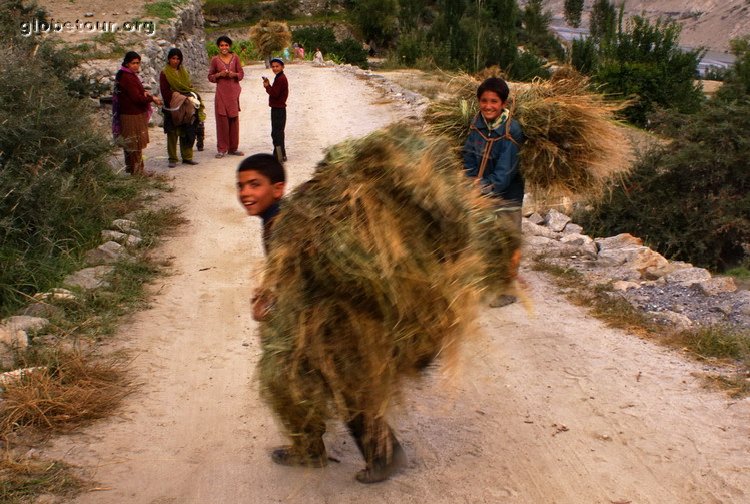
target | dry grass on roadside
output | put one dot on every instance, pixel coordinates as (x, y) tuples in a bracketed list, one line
[(725, 346), (65, 390), (22, 479), (614, 311)]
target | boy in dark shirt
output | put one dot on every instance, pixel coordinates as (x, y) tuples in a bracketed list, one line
[(260, 187), (278, 92)]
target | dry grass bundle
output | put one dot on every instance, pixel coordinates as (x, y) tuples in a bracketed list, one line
[(376, 264), (70, 391), (270, 36), (574, 145)]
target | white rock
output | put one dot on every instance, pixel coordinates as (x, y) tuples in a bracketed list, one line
[(12, 338), (536, 218), (610, 257), (688, 276), (676, 319), (556, 221), (17, 374), (56, 294), (529, 228), (619, 241), (133, 241), (124, 225), (571, 228), (106, 253), (717, 285), (89, 278), (624, 285), (110, 235), (25, 323)]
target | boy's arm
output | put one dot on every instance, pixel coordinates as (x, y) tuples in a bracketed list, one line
[(274, 90)]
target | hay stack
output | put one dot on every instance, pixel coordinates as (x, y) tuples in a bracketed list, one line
[(376, 264), (270, 36), (574, 145)]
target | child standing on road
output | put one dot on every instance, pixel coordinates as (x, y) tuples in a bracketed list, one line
[(277, 95), (491, 155)]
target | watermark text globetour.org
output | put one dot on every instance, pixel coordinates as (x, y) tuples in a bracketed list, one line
[(37, 27)]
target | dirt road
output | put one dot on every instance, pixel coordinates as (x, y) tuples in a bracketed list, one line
[(548, 408)]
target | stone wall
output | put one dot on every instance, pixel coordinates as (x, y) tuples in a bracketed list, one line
[(184, 31)]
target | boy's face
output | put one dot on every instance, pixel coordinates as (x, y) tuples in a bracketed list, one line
[(491, 105), (276, 67), (256, 192)]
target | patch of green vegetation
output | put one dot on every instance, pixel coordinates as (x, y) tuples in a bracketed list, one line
[(22, 479), (161, 10), (740, 272), (717, 341)]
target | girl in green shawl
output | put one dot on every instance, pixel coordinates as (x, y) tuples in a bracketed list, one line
[(174, 78)]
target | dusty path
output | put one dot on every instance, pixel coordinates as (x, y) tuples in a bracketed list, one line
[(552, 408)]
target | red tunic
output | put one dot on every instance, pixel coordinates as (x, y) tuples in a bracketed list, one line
[(227, 89)]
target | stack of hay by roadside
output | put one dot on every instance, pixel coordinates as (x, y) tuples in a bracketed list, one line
[(270, 36), (574, 146), (376, 265)]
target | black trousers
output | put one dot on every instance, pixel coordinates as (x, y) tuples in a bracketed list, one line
[(278, 123)]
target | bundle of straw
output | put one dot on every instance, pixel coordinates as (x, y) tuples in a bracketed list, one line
[(376, 264), (574, 145), (270, 36)]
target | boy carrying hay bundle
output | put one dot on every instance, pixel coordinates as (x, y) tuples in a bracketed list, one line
[(574, 145), (375, 268), (490, 156)]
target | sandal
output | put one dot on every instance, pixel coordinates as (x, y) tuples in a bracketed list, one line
[(220, 155), (289, 456), (237, 153)]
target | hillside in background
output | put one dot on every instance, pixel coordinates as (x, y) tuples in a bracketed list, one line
[(708, 23)]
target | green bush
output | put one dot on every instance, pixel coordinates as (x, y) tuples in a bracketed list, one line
[(58, 189), (315, 36), (690, 200), (350, 51), (527, 66)]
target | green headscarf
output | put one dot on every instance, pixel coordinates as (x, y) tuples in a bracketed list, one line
[(179, 80)]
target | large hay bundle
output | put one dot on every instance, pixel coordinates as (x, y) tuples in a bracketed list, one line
[(376, 264), (574, 145), (270, 36)]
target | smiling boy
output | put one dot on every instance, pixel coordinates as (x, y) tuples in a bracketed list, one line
[(260, 186), (491, 155)]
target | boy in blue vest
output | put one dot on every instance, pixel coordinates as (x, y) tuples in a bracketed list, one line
[(490, 156)]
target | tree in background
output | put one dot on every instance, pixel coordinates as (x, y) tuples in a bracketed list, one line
[(584, 55), (503, 23), (603, 21), (645, 61), (737, 79), (451, 43), (536, 34), (377, 20), (573, 11)]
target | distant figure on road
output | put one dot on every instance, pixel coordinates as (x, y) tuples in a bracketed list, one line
[(318, 58)]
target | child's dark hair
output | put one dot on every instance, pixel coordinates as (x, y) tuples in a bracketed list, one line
[(265, 164), (224, 38), (496, 85)]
